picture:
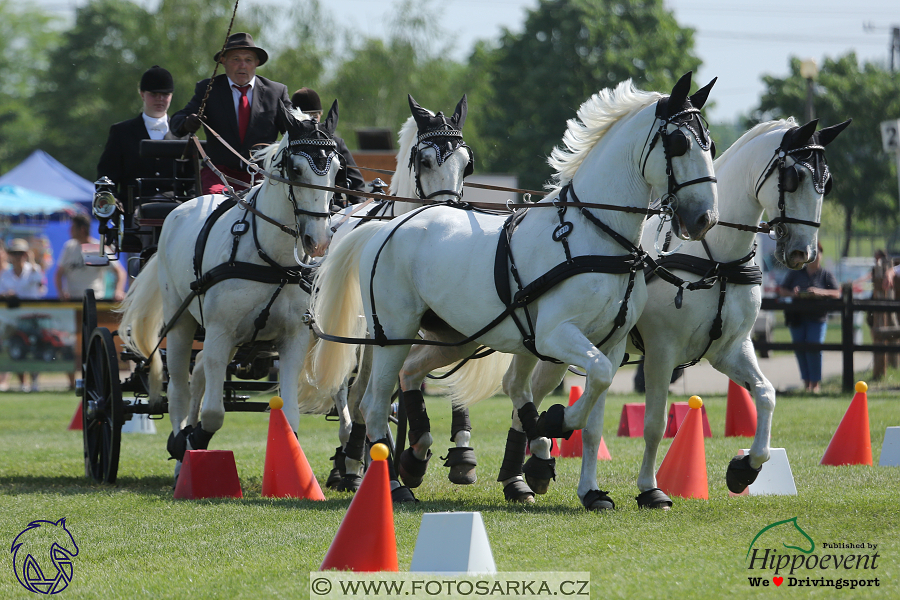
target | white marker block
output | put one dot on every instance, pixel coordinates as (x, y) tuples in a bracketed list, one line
[(139, 423), (774, 479), (890, 449), (452, 543)]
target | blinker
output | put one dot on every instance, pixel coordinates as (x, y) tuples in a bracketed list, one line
[(678, 143)]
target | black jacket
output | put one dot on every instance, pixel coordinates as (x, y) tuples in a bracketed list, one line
[(222, 117), (122, 163)]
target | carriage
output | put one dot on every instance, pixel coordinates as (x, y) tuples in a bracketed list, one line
[(132, 225)]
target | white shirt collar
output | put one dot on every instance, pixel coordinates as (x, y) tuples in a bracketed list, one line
[(251, 83), (157, 128)]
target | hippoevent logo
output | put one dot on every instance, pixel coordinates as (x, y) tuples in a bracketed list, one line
[(783, 553), (42, 556)]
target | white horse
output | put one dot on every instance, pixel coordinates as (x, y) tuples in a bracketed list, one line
[(432, 163), (174, 289), (435, 270), (776, 167)]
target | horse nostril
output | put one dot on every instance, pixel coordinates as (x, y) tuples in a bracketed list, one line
[(308, 242)]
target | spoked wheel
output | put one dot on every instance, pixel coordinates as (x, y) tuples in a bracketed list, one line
[(102, 408), (88, 324)]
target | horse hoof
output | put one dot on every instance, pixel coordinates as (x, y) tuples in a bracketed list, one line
[(462, 465), (334, 479), (348, 483), (518, 491), (550, 423), (654, 498), (402, 494), (411, 469), (597, 500), (539, 472), (740, 474), (176, 445)]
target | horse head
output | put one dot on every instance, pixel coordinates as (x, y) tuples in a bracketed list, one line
[(308, 154), (678, 158), (792, 188), (439, 159), (782, 532)]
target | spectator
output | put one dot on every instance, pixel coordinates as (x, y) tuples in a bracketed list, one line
[(23, 278), (809, 325), (73, 276)]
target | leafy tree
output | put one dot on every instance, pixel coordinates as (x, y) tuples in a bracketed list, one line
[(569, 50), (865, 180), (372, 81), (26, 36)]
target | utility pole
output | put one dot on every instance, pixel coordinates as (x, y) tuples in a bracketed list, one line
[(893, 47)]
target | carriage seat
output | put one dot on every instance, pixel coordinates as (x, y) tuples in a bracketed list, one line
[(152, 214)]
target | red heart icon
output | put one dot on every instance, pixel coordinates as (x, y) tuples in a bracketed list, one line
[(777, 580)]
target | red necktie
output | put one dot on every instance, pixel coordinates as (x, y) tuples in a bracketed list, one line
[(243, 109)]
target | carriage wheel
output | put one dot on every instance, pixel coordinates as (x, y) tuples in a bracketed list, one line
[(88, 324), (102, 408)]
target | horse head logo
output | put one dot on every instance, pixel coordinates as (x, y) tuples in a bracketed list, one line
[(787, 532), (42, 547)]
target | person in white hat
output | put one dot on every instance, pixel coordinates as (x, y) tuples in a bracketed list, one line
[(23, 279)]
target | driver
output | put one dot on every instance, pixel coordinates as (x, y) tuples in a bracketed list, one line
[(241, 107)]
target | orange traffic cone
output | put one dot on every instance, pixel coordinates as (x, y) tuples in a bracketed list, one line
[(286, 473), (77, 419), (683, 470), (208, 474), (365, 540), (740, 413), (852, 443), (571, 448)]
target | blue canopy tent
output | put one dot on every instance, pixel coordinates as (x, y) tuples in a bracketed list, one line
[(42, 173), (19, 205)]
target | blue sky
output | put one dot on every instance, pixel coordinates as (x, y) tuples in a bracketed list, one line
[(738, 41)]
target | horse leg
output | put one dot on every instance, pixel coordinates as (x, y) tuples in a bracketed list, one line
[(217, 351), (741, 367), (413, 461), (376, 406), (345, 425), (517, 385), (539, 470), (198, 386), (461, 458), (178, 357), (589, 492), (658, 365), (355, 445)]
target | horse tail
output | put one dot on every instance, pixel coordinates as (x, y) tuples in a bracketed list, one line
[(336, 305), (478, 379), (142, 320)]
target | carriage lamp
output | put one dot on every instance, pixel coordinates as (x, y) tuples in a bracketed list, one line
[(104, 204)]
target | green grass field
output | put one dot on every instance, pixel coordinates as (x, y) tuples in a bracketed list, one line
[(136, 541)]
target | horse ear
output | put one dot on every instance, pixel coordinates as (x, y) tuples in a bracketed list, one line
[(679, 94), (422, 116), (801, 135), (331, 121), (284, 119), (459, 116), (698, 99), (827, 135)]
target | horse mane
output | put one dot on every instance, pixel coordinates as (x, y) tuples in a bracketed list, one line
[(594, 118), (756, 131), (403, 182), (267, 153)]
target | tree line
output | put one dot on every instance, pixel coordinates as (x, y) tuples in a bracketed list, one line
[(63, 86)]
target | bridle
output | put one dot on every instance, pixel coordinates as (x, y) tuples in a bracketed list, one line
[(445, 142), (676, 144), (789, 181)]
